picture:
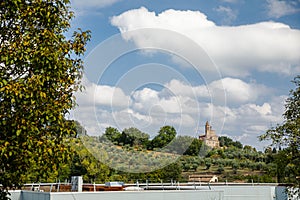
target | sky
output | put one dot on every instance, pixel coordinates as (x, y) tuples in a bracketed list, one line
[(181, 63)]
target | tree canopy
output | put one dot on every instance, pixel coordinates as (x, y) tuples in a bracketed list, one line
[(112, 134), (40, 69), (134, 137), (287, 135), (165, 135), (227, 142)]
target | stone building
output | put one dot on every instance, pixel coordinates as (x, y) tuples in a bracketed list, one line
[(210, 138)]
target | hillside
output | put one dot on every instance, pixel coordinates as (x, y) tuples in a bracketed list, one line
[(229, 163), (99, 160)]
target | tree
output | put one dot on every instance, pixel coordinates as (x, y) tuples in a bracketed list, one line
[(227, 142), (194, 148), (287, 135), (112, 134), (86, 162), (40, 69), (180, 144), (134, 137), (165, 135), (207, 163), (80, 130)]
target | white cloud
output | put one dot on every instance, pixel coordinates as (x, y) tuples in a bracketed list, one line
[(236, 50), (180, 88), (265, 109), (279, 8), (186, 107), (237, 91), (226, 90), (229, 14), (146, 99), (102, 95)]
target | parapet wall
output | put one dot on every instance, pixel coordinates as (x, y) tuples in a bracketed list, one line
[(225, 192)]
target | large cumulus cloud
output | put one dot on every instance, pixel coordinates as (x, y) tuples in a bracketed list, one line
[(236, 50)]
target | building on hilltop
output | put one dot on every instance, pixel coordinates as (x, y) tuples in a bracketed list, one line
[(210, 138)]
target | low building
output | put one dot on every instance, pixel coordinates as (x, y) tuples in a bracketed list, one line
[(203, 178)]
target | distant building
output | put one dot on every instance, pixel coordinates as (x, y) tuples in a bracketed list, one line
[(203, 178), (210, 138)]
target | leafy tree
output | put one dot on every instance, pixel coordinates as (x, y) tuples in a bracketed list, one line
[(77, 169), (85, 163), (249, 148), (235, 166), (238, 144), (40, 69), (134, 137), (80, 130), (180, 144), (208, 163), (220, 169), (204, 150), (112, 134), (287, 135), (194, 148), (172, 171), (227, 142), (165, 135)]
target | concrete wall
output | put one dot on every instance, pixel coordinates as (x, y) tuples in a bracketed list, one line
[(128, 195), (141, 195), (248, 192), (15, 195), (30, 195), (216, 193)]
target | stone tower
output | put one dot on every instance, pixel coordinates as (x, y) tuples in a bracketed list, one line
[(210, 138)]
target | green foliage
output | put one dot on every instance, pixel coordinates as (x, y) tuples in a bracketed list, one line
[(194, 148), (134, 137), (112, 134), (227, 142), (165, 135), (220, 168), (38, 77), (80, 130), (86, 164), (76, 168), (180, 144), (208, 163), (127, 157), (287, 135)]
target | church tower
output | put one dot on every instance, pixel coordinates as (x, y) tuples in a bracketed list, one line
[(210, 138), (207, 128)]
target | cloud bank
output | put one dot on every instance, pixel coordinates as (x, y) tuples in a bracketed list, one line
[(186, 109), (236, 50)]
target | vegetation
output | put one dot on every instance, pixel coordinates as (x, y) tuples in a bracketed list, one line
[(286, 136), (165, 135), (97, 160), (40, 69)]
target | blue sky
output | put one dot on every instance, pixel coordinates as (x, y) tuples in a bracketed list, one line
[(182, 63)]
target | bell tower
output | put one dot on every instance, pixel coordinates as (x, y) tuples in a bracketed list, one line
[(207, 128), (210, 138)]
